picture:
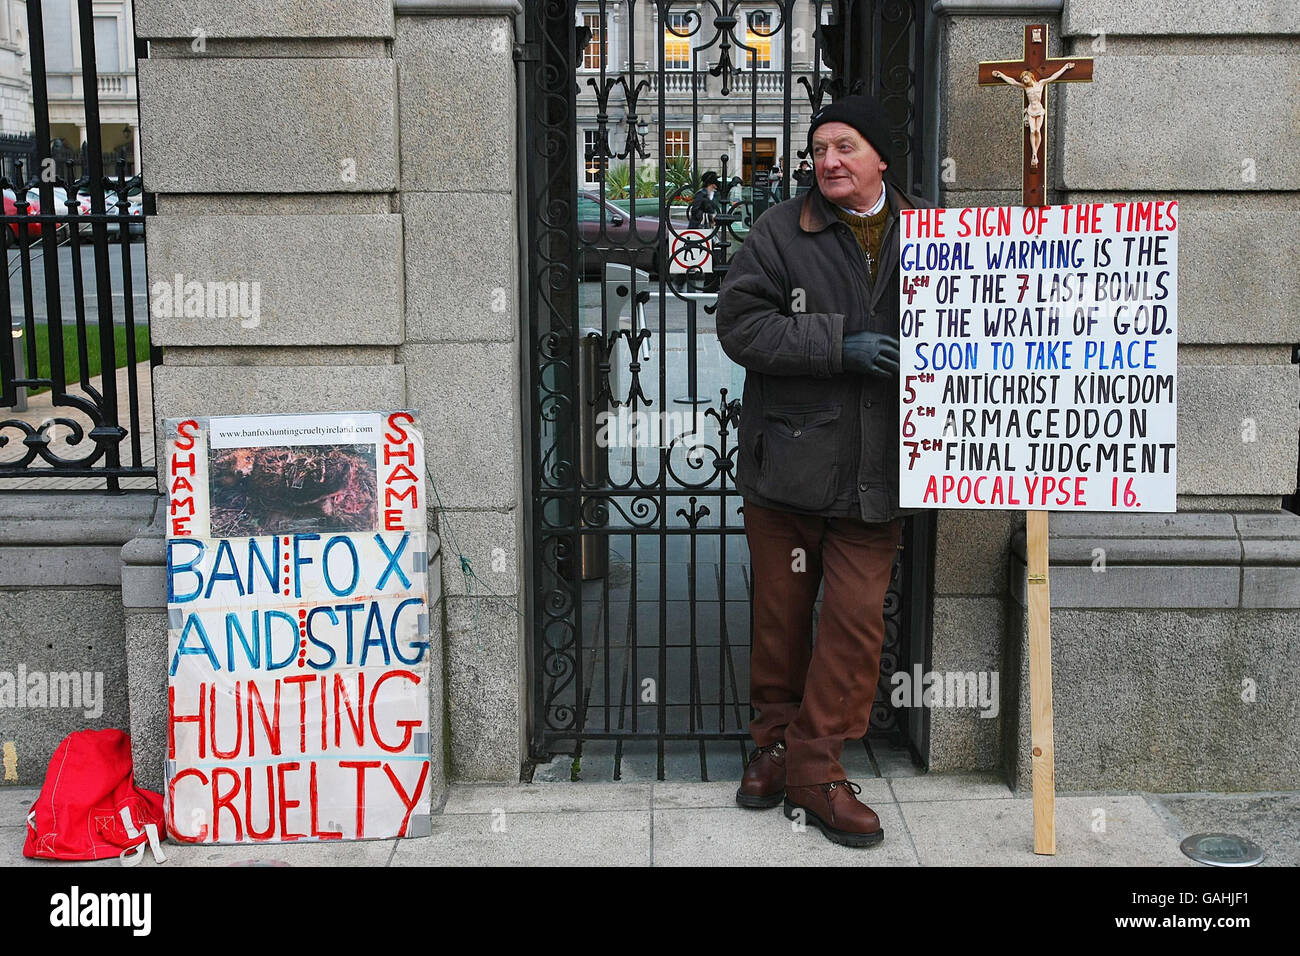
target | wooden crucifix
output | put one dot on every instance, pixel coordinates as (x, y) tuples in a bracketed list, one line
[(1031, 74)]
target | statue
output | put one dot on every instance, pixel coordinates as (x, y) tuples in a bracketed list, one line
[(1034, 110)]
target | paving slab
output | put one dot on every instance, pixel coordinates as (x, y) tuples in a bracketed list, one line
[(15, 804), (1093, 830), (316, 853), (688, 796), (547, 798), (592, 838), (949, 786), (11, 852), (735, 837), (895, 762), (1271, 820)]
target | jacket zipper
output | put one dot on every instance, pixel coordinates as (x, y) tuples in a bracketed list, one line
[(863, 277), (868, 300)]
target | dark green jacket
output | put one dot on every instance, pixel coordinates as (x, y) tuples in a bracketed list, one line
[(813, 438)]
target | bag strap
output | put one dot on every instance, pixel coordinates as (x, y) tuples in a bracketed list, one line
[(133, 854)]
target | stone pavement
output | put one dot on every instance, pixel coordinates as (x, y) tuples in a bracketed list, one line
[(929, 820)]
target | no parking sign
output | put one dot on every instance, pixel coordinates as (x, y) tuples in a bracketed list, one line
[(690, 251)]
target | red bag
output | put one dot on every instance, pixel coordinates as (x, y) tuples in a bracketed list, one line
[(89, 807)]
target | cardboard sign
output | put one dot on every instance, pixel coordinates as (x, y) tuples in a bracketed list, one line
[(298, 628), (690, 251), (1039, 357)]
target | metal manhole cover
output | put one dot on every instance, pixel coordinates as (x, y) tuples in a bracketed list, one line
[(1222, 849)]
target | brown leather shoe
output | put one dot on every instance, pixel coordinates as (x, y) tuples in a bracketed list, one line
[(835, 810), (763, 785)]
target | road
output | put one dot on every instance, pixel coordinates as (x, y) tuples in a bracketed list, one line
[(139, 288)]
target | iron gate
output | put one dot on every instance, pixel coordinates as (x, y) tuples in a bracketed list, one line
[(71, 231), (639, 584)]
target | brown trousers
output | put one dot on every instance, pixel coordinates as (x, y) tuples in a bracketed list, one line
[(816, 696)]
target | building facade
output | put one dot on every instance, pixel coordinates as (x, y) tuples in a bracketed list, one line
[(15, 70), (114, 46), (374, 165)]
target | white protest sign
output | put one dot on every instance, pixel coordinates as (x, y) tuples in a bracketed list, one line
[(298, 628), (1039, 357)]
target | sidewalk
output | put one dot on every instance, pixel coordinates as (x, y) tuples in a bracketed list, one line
[(41, 408), (929, 820)]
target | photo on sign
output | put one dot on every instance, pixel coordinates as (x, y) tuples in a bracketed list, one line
[(292, 488)]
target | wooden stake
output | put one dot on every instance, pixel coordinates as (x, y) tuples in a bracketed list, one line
[(1040, 683), (1032, 74)]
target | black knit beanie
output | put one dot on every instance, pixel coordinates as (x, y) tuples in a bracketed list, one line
[(864, 114)]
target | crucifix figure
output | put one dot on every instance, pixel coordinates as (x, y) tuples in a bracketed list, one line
[(1031, 74), (1034, 108)]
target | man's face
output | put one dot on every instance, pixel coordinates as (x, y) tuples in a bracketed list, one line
[(849, 170)]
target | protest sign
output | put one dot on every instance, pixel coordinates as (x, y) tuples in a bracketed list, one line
[(298, 628), (1039, 357)]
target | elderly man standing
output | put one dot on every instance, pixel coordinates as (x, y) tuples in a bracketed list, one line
[(809, 307)]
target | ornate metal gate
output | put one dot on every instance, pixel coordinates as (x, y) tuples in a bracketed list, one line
[(639, 601)]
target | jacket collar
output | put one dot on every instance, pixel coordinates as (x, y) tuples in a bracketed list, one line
[(818, 212)]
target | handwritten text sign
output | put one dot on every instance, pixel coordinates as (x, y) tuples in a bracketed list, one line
[(298, 629), (1039, 357)]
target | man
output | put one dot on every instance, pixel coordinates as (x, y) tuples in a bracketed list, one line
[(776, 180), (803, 178), (704, 204), (810, 308)]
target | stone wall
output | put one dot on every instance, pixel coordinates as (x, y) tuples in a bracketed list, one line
[(61, 619), (1149, 657), (1175, 653), (387, 263), (462, 354)]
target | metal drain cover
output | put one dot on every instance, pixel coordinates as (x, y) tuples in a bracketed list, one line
[(1222, 849)]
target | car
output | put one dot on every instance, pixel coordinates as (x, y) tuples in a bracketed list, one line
[(617, 242), (33, 229), (112, 202), (60, 207), (60, 199), (132, 205)]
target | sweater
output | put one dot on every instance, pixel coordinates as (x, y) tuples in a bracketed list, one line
[(869, 231)]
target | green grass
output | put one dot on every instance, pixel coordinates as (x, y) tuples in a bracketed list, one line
[(71, 357)]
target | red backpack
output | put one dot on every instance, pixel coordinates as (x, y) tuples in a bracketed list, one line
[(90, 808)]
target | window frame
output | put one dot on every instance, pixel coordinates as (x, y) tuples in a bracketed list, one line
[(669, 36), (775, 49), (584, 171), (607, 38)]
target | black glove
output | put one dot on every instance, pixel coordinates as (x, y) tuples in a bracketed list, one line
[(871, 353)]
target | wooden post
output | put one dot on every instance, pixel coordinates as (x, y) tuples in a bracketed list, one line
[(1031, 74), (1040, 683)]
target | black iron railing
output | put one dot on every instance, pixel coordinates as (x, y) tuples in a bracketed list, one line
[(640, 592), (69, 234)]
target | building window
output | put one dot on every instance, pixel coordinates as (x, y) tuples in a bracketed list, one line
[(592, 161), (596, 53), (677, 40), (108, 58), (821, 45), (760, 28), (677, 143)]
